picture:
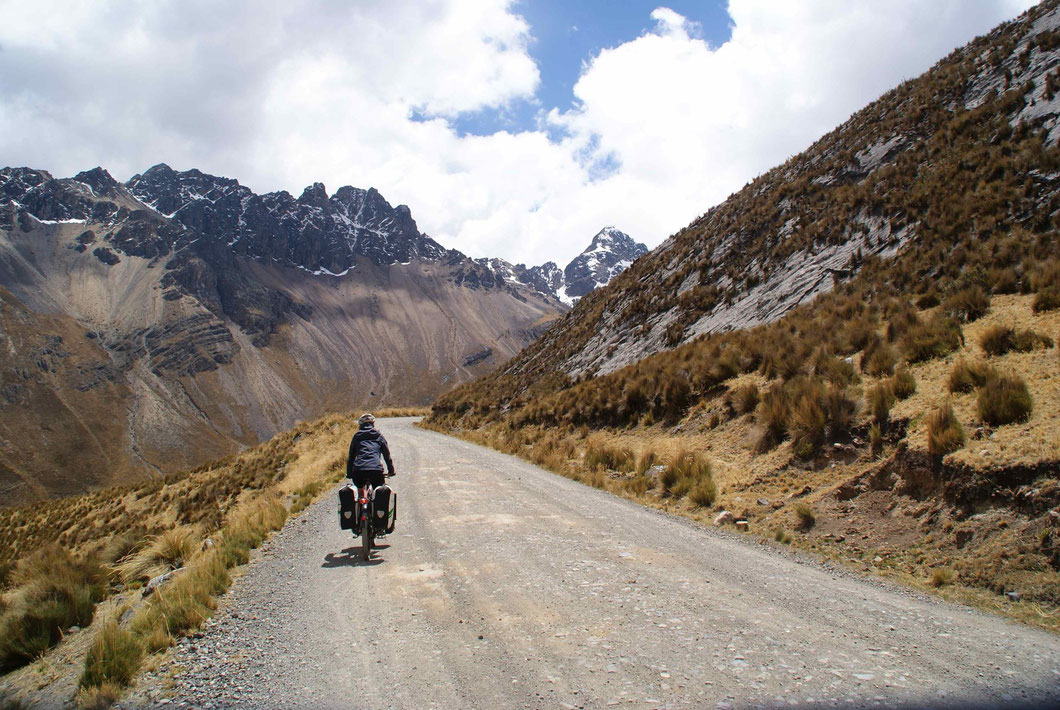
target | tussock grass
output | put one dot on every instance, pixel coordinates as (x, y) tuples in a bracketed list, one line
[(807, 420), (902, 384), (304, 496), (941, 576), (164, 552), (939, 337), (689, 474), (876, 439), (833, 370), (782, 536), (880, 399), (599, 454), (744, 398), (98, 697), (1048, 299), (968, 304), (1000, 339), (967, 376), (387, 412), (646, 460), (113, 658), (1004, 399), (772, 416), (188, 600), (805, 514), (841, 410), (879, 358), (53, 591), (944, 433)]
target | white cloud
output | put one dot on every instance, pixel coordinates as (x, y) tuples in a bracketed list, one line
[(280, 95)]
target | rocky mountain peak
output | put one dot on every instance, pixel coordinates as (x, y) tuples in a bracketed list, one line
[(318, 233), (315, 195), (610, 252), (99, 180)]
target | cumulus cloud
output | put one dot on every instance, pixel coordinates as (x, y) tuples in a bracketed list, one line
[(280, 95)]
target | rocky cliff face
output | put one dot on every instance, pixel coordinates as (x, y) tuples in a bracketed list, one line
[(185, 316)]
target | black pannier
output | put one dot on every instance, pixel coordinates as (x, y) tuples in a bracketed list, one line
[(384, 504), (348, 505)]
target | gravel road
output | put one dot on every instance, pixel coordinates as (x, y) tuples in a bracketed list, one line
[(506, 586)]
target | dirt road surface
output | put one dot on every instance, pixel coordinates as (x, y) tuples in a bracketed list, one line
[(506, 586)]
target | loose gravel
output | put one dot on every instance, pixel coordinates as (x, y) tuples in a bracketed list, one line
[(507, 586)]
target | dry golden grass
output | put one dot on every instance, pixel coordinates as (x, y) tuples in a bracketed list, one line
[(139, 532), (1037, 438), (113, 658), (164, 552)]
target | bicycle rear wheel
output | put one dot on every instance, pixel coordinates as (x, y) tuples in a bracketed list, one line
[(366, 539)]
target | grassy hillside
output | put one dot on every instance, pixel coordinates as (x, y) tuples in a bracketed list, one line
[(84, 561), (897, 413)]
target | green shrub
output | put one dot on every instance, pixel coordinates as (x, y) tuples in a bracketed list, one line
[(1004, 400), (114, 657), (903, 384), (944, 433), (967, 376)]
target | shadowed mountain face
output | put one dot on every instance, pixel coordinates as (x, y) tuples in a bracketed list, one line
[(167, 321)]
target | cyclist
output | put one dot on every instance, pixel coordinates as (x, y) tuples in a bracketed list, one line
[(366, 447)]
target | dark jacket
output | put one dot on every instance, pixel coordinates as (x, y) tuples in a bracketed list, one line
[(365, 449)]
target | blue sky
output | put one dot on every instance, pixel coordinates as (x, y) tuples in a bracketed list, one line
[(465, 110), (567, 35)]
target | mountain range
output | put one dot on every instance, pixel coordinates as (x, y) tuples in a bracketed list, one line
[(172, 319)]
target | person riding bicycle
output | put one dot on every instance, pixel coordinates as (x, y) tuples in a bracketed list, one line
[(366, 447)]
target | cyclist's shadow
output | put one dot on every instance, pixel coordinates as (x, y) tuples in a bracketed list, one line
[(351, 557)]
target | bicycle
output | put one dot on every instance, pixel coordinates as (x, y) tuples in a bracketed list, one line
[(370, 522)]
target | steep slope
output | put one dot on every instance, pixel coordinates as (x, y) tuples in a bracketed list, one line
[(206, 317), (965, 152)]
